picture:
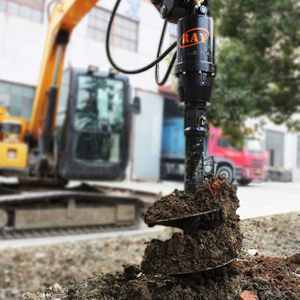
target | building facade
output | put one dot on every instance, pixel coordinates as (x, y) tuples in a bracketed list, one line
[(282, 146), (135, 37)]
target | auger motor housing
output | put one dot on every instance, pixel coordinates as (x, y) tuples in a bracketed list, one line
[(195, 66), (195, 70)]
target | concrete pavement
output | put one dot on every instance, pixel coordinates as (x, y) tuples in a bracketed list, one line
[(268, 198), (257, 199)]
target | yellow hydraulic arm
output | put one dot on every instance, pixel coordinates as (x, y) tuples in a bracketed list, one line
[(65, 16)]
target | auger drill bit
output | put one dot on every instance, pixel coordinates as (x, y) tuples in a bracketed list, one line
[(195, 70)]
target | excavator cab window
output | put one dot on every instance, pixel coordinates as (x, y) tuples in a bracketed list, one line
[(92, 125), (99, 118)]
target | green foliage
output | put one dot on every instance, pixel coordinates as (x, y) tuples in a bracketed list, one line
[(258, 58)]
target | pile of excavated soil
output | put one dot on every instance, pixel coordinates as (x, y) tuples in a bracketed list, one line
[(180, 204), (272, 278), (138, 286), (269, 278)]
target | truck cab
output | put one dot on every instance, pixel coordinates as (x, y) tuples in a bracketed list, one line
[(245, 163)]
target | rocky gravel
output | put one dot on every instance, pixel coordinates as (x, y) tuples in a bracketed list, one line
[(277, 235), (25, 270)]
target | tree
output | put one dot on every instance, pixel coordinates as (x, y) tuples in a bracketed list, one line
[(258, 60)]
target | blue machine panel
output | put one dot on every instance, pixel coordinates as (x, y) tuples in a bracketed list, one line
[(173, 142)]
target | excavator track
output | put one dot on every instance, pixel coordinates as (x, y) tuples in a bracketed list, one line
[(84, 209), (39, 233)]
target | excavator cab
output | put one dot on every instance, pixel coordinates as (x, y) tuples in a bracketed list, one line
[(90, 137), (92, 129)]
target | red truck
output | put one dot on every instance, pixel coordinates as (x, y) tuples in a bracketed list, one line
[(243, 164)]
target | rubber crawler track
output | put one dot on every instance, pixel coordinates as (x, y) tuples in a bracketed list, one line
[(10, 234), (25, 199)]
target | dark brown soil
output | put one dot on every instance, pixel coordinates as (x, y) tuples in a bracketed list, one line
[(138, 286), (269, 278), (217, 244), (190, 254), (279, 270), (180, 204), (266, 291)]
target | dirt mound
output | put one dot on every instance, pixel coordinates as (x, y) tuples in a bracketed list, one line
[(269, 278), (134, 285), (266, 291), (180, 204)]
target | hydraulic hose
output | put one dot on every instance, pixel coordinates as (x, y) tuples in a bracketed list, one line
[(137, 71)]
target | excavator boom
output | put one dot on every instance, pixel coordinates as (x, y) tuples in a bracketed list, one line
[(64, 18)]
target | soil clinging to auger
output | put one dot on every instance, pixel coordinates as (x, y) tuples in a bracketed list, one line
[(190, 254), (217, 241), (180, 204)]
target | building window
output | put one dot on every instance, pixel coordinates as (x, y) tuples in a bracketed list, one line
[(28, 9), (124, 33), (17, 98), (275, 148)]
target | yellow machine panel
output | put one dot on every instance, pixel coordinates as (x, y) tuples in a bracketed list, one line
[(13, 155)]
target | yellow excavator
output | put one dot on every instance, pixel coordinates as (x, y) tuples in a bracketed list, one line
[(79, 130)]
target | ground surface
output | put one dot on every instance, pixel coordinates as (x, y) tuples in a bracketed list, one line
[(274, 236), (27, 269)]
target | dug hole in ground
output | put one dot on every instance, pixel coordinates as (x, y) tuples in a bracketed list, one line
[(259, 276)]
